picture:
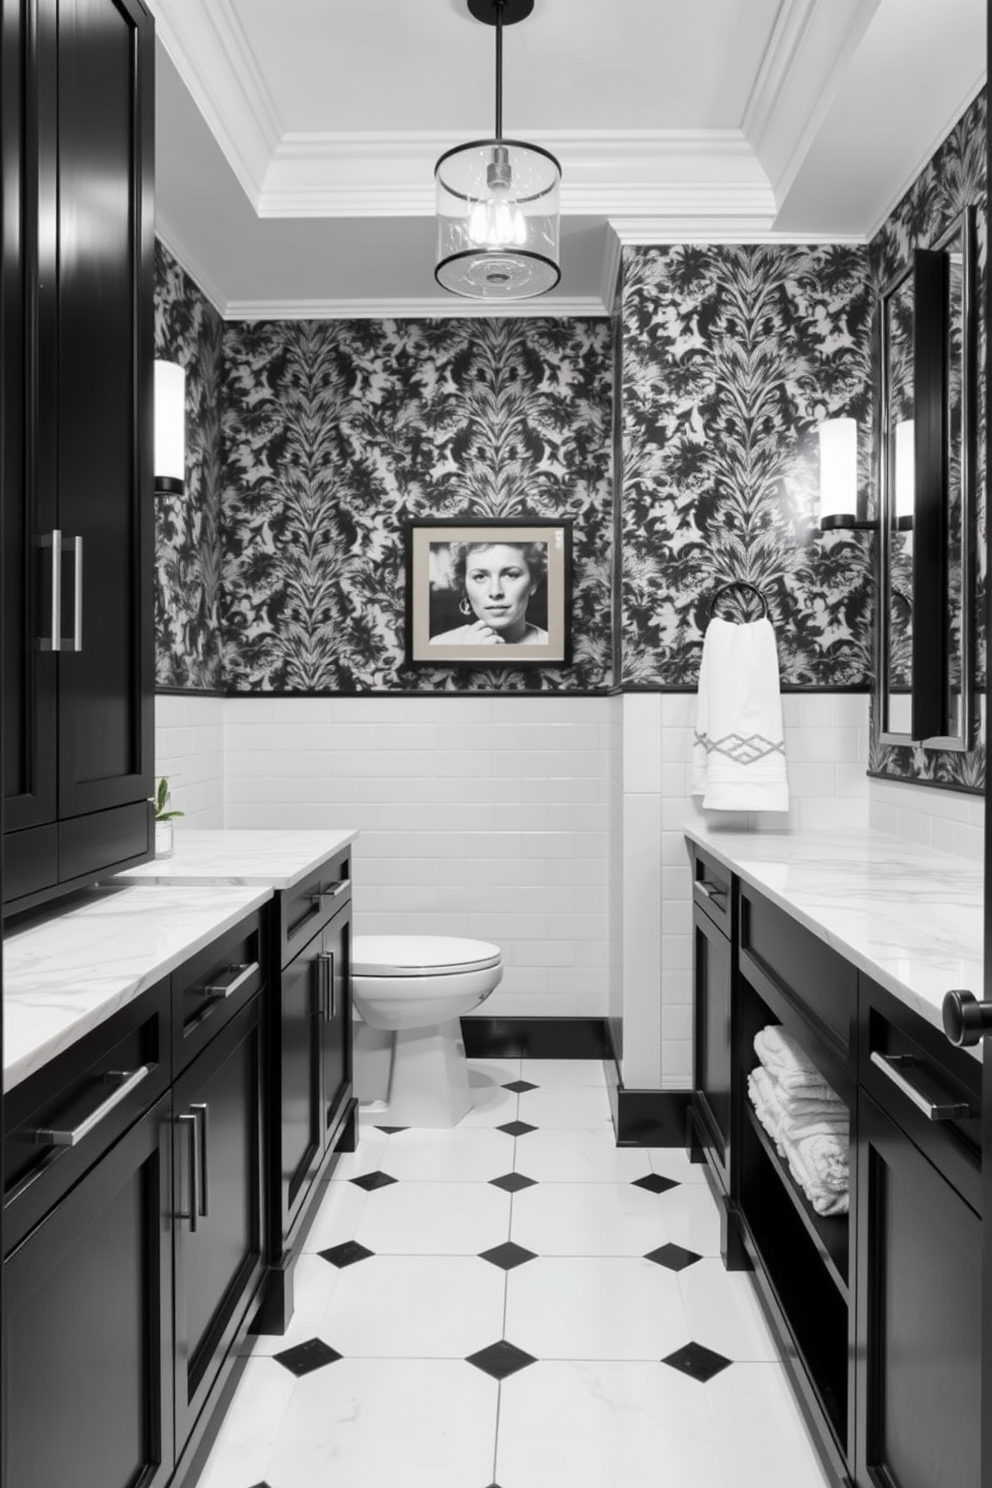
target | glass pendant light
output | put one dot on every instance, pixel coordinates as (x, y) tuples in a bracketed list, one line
[(498, 200)]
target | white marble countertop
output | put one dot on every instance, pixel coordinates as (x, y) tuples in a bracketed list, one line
[(67, 970), (276, 860), (909, 917)]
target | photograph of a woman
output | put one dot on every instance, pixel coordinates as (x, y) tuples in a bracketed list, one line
[(488, 592)]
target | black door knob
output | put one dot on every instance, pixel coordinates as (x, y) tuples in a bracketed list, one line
[(966, 1020)]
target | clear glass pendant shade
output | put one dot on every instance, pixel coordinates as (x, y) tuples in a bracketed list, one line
[(498, 205)]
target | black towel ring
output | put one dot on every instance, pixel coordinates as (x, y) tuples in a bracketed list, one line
[(739, 584)]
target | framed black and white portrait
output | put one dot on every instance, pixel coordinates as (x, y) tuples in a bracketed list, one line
[(489, 593)]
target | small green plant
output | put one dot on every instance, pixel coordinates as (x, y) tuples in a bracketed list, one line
[(162, 801)]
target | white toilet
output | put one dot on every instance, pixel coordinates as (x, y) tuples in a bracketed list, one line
[(409, 992)]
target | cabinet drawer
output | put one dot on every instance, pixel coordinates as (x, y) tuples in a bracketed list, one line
[(212, 987), (711, 890), (928, 1088), (819, 983), (308, 905), (60, 1120)]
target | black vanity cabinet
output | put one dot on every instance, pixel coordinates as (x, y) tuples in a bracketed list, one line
[(919, 1253), (77, 513), (312, 1106), (713, 1086)]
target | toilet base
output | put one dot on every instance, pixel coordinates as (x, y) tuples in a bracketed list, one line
[(413, 1077)]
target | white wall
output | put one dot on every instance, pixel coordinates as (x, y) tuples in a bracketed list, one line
[(189, 749), (479, 816), (946, 820)]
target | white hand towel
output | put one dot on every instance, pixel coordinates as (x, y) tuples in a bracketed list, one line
[(792, 1068), (738, 756)]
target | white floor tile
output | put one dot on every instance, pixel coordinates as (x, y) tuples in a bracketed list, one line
[(461, 1155), (337, 1217), (493, 1105), (435, 1219), (580, 1307), (723, 1312), (671, 1162), (314, 1283), (593, 1219), (367, 1156), (251, 1428), (580, 1156), (692, 1218), (606, 1425), (561, 1106), (416, 1307), (495, 1071), (570, 1072), (760, 1432), (378, 1423)]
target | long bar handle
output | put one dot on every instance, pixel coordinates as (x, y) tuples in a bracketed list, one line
[(711, 890), (76, 644), (60, 545), (129, 1082), (188, 1119), (331, 893), (326, 959), (238, 976), (201, 1113), (889, 1064)]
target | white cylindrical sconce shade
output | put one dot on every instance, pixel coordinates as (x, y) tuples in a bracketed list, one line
[(170, 428), (904, 473), (498, 206), (838, 472)]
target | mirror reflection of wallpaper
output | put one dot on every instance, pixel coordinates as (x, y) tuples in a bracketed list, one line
[(732, 353), (953, 179), (187, 528), (335, 432)]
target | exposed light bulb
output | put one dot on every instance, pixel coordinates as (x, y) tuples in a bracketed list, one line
[(497, 222)]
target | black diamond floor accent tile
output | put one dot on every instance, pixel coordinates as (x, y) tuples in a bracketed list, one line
[(346, 1254), (654, 1183), (516, 1128), (513, 1182), (389, 1130), (306, 1357), (697, 1361), (370, 1181), (519, 1086), (507, 1255), (500, 1360), (675, 1257)]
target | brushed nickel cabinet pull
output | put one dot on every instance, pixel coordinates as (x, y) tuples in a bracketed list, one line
[(189, 1121), (889, 1064), (230, 982), (129, 1082)]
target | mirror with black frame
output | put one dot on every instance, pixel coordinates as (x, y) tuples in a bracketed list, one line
[(925, 473)]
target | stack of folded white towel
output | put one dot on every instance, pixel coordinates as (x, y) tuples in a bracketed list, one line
[(806, 1120)]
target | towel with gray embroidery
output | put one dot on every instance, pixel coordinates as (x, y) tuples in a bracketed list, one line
[(738, 753)]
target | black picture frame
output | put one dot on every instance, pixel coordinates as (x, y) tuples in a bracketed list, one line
[(453, 619)]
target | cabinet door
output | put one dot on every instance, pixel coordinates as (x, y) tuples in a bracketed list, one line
[(712, 1043), (300, 1015), (88, 1299), (336, 1024), (28, 508), (100, 364), (919, 1324), (217, 1206)]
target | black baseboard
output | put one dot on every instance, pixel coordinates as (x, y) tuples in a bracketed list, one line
[(535, 1038), (646, 1118)]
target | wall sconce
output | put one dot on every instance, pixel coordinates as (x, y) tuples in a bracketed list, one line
[(170, 429), (839, 476), (904, 462)]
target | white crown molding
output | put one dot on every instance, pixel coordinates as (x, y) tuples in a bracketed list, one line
[(645, 232), (187, 262), (612, 257), (931, 149), (807, 55), (447, 308), (208, 46)]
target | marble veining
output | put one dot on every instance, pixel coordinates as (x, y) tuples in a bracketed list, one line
[(273, 859), (67, 971), (908, 917)]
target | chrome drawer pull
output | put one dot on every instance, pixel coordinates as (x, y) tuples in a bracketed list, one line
[(223, 988), (76, 644), (711, 890), (188, 1119), (326, 959), (889, 1064), (129, 1082), (331, 893)]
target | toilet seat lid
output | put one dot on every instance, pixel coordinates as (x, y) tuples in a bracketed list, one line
[(420, 955)]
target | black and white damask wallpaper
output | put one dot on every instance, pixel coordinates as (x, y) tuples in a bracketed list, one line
[(336, 432), (953, 179), (731, 355), (189, 330)]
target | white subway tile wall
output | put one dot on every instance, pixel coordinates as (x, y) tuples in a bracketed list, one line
[(482, 816), (948, 821), (189, 749)]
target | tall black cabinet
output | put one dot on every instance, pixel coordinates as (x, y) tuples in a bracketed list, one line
[(78, 521)]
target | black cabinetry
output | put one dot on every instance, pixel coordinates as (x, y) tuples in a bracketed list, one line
[(713, 1082), (76, 497)]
